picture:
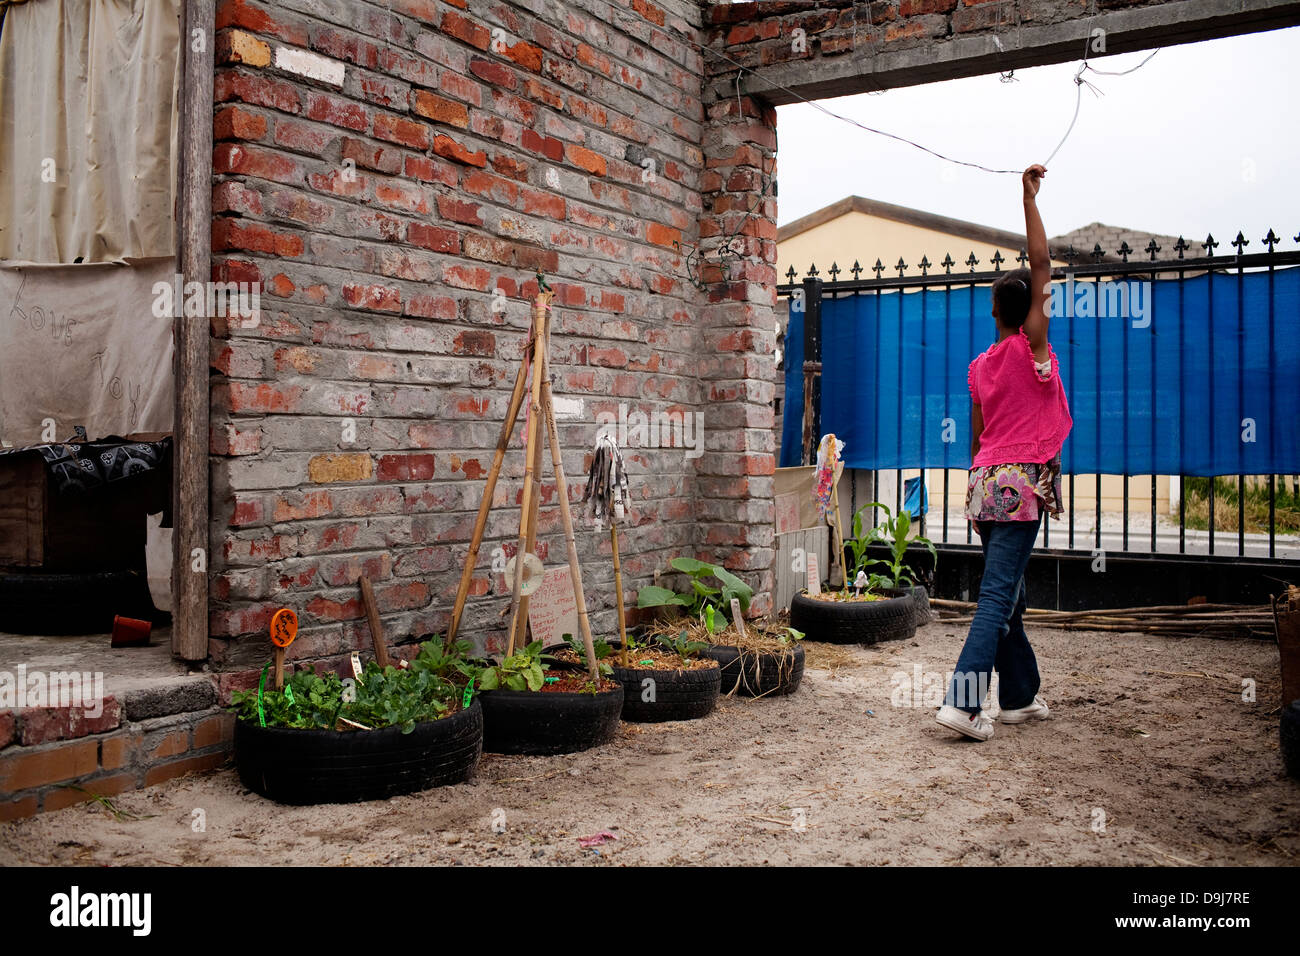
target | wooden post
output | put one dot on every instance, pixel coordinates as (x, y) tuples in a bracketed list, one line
[(485, 506), (190, 556), (372, 615), (562, 492)]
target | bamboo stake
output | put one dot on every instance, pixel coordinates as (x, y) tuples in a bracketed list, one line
[(618, 590), (485, 506), (562, 492), (531, 542), (540, 306), (279, 668)]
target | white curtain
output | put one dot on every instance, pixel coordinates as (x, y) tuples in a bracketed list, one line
[(88, 95)]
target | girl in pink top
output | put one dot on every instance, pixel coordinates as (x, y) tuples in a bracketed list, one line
[(1019, 420)]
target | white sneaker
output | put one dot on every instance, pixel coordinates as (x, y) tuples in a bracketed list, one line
[(1035, 711), (975, 726)]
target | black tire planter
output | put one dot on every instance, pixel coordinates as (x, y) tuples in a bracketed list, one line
[(1291, 739), (539, 723), (764, 674), (301, 767), (854, 622), (922, 598), (678, 695)]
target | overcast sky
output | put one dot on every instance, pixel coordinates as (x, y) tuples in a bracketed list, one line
[(1202, 139)]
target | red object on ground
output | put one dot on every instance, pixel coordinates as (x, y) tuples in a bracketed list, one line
[(129, 632)]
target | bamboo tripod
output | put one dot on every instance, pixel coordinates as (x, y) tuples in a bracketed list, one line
[(541, 411)]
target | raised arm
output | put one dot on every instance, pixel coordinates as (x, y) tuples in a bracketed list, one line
[(1040, 265)]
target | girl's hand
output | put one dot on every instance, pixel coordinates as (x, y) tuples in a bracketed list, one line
[(1032, 180)]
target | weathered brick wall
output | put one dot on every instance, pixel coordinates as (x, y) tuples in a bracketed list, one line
[(381, 217)]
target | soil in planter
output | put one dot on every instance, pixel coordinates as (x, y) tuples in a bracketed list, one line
[(758, 664), (645, 658), (846, 597), (575, 682)]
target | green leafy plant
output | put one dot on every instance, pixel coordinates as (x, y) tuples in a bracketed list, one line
[(602, 648), (701, 594), (891, 532), (520, 671), (680, 645), (791, 635), (429, 688)]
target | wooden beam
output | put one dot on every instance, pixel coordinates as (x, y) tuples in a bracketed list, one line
[(191, 335)]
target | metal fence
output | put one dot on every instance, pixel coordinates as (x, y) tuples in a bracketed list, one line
[(1207, 494)]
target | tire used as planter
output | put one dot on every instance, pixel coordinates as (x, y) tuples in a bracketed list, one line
[(757, 674), (1291, 739), (855, 622), (544, 722), (301, 767), (670, 695)]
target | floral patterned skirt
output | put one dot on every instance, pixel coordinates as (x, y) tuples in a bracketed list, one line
[(1018, 492)]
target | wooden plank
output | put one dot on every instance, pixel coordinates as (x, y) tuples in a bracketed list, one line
[(194, 262), (22, 506)]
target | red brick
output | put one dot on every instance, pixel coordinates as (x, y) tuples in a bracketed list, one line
[(475, 342), (18, 809), (177, 768), (235, 123), (406, 467), (509, 166), (493, 71), (466, 277), (312, 504), (336, 111), (252, 161), (214, 730), (485, 184), (257, 90), (7, 728), (252, 16), (171, 745), (464, 212), (232, 196), (447, 147), (431, 170), (662, 235), (547, 146), (465, 29), (227, 439), (327, 610), (377, 298), (264, 398), (40, 725), (542, 204), (433, 237), (22, 768), (439, 109), (431, 307), (344, 46), (397, 129), (303, 137), (526, 55)]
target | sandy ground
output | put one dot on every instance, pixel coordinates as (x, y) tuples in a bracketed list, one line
[(1150, 757)]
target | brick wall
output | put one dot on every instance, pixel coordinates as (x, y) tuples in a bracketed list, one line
[(468, 145), (54, 757)]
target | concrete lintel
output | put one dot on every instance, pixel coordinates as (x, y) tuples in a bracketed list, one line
[(1127, 30)]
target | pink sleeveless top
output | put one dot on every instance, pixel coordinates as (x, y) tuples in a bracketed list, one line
[(1026, 418)]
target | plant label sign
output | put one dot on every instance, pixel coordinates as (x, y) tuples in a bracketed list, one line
[(814, 574), (737, 618), (552, 608)]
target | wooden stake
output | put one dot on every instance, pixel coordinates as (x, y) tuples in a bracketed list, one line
[(485, 506), (618, 588), (279, 668), (372, 615), (562, 492), (535, 406)]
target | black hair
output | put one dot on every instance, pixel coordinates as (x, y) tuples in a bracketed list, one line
[(1011, 294)]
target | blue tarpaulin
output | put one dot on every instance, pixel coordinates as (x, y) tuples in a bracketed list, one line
[(1205, 381)]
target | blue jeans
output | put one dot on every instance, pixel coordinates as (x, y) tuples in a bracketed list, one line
[(997, 638)]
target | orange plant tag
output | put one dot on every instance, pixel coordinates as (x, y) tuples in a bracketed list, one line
[(284, 627)]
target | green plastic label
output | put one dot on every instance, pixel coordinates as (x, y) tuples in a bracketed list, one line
[(288, 693), (261, 686), (469, 694)]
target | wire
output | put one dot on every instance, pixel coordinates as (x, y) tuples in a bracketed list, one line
[(1079, 83)]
